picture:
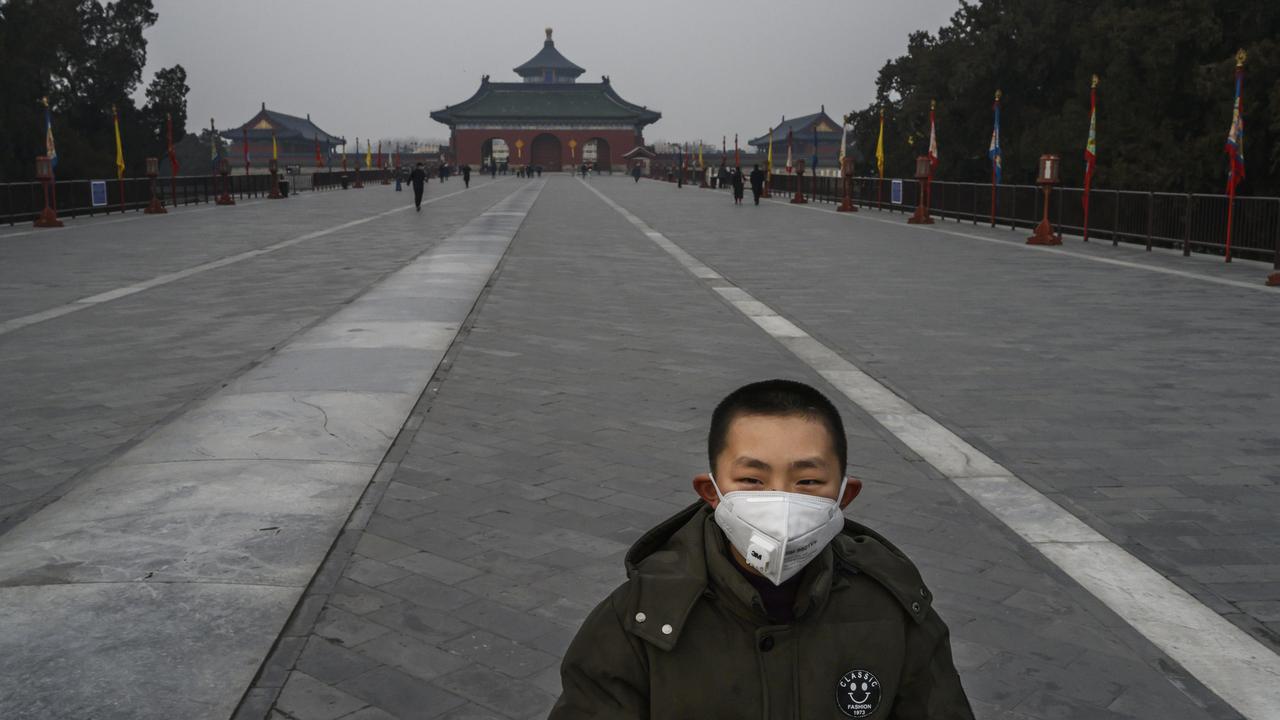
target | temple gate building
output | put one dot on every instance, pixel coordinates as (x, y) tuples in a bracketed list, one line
[(802, 135), (296, 140), (547, 119)]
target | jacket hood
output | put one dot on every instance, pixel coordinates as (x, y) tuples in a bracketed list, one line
[(667, 570)]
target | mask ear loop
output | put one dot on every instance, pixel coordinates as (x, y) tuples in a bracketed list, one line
[(715, 485)]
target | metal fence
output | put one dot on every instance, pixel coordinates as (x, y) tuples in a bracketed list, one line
[(1189, 222), (23, 201)]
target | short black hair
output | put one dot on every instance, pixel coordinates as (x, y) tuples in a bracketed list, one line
[(778, 398)]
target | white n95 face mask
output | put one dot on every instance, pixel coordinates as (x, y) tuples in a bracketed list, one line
[(778, 533)]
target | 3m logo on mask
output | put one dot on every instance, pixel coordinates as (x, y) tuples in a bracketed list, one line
[(858, 693)]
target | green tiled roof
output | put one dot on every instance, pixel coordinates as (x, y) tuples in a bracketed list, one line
[(545, 101)]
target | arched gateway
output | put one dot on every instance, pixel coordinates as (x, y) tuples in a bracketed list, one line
[(544, 115), (545, 152)]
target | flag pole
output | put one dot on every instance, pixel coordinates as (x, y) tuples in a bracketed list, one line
[(995, 160), (115, 118), (1234, 150), (1090, 152)]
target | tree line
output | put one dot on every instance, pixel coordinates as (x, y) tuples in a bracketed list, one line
[(85, 56), (1165, 95)]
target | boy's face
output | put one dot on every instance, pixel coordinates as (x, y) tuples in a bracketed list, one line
[(789, 453)]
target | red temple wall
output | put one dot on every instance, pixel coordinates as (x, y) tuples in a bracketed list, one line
[(469, 144)]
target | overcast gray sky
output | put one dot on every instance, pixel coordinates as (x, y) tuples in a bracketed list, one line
[(375, 68)]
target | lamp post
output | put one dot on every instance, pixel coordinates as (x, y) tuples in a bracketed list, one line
[(799, 196), (273, 166), (924, 170), (153, 170), (846, 169), (1046, 177), (224, 171), (48, 217)]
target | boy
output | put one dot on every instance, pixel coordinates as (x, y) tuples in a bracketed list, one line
[(761, 600)]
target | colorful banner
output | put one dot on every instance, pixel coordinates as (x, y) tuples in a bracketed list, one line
[(993, 151), (115, 119), (880, 147)]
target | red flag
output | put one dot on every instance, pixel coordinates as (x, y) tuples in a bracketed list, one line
[(933, 139), (1090, 152), (244, 143), (1235, 148), (173, 156), (319, 158), (379, 154)]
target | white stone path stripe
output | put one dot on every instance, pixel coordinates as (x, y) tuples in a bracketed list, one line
[(84, 303), (1227, 660), (1256, 286), (155, 588)]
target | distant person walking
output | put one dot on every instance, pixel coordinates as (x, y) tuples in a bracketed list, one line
[(636, 172), (757, 184), (419, 179), (735, 177), (466, 177), (441, 171)]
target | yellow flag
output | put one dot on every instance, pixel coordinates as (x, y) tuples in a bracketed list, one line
[(880, 147), (368, 154), (769, 160), (700, 165), (275, 151), (115, 117)]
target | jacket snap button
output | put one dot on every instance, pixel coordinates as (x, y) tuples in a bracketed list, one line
[(766, 643), (915, 607), (640, 617), (924, 593), (666, 629)]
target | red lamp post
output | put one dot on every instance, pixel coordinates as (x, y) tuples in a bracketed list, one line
[(846, 169), (924, 172), (273, 165), (1046, 177), (799, 196), (153, 170), (48, 217), (224, 170)]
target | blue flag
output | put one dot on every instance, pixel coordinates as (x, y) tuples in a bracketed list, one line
[(815, 146), (993, 151), (49, 148)]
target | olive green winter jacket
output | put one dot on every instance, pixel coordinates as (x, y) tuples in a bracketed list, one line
[(686, 636)]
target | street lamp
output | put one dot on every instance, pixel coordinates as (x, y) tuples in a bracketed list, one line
[(1046, 177), (48, 217), (153, 170)]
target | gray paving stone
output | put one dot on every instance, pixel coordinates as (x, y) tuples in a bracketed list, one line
[(307, 698), (497, 692), (400, 694), (615, 403)]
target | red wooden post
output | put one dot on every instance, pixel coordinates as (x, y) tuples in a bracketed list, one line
[(798, 199), (153, 170), (1047, 177), (48, 217), (924, 169)]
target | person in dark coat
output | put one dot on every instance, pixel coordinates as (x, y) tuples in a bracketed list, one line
[(636, 172), (780, 607), (757, 183), (736, 179), (724, 176), (466, 176), (419, 178)]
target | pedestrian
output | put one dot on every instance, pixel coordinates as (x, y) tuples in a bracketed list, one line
[(636, 172), (736, 179), (466, 176), (419, 178), (538, 170), (761, 599), (440, 171), (583, 170), (757, 183), (493, 171), (724, 176)]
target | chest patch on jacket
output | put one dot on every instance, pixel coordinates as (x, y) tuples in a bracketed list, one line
[(858, 693)]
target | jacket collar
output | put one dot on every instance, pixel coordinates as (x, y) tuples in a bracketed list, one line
[(687, 558)]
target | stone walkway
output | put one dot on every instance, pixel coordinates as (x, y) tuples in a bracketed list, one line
[(570, 414), (571, 418)]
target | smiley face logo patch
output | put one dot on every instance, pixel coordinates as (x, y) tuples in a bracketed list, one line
[(858, 693)]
